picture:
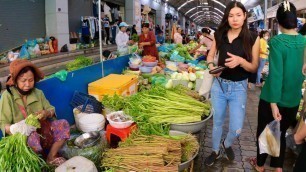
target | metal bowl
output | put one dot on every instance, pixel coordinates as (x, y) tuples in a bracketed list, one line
[(192, 127), (184, 165), (87, 139)]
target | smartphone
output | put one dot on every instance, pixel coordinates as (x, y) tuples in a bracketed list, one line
[(217, 70)]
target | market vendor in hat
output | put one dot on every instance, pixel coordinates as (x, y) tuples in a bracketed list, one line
[(147, 41), (19, 100)]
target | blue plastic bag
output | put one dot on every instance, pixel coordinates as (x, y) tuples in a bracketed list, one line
[(31, 43), (24, 54), (176, 57)]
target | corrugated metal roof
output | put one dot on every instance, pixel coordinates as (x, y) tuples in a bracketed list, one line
[(205, 11)]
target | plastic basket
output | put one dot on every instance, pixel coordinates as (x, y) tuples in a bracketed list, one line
[(86, 103)]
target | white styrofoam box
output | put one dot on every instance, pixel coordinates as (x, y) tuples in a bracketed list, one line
[(77, 164)]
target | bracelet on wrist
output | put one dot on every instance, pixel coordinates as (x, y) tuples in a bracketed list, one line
[(210, 63)]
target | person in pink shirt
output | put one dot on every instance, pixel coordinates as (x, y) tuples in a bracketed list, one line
[(178, 38), (206, 40)]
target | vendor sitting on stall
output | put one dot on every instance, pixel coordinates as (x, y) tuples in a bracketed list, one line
[(147, 41), (122, 38), (207, 40), (21, 99)]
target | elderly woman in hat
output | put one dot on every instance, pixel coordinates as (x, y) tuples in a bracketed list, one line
[(21, 99)]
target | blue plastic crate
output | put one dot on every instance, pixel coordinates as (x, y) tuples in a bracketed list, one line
[(86, 103)]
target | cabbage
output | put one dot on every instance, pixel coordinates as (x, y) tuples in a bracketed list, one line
[(169, 84), (190, 85), (192, 77), (179, 76), (173, 75)]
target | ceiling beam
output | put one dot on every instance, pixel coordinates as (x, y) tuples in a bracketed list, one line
[(216, 14)]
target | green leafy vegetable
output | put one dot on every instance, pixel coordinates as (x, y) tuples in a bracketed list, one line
[(79, 62)]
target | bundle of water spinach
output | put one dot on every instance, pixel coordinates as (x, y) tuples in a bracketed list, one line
[(15, 155)]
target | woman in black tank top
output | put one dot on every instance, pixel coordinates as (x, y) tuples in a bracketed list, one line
[(238, 52)]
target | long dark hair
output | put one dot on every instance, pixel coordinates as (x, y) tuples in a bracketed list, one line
[(224, 27)]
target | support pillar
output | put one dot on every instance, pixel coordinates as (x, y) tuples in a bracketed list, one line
[(57, 23)]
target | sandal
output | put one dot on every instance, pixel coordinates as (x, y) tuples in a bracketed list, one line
[(57, 161), (253, 162)]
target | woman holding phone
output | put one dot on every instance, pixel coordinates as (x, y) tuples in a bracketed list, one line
[(238, 51)]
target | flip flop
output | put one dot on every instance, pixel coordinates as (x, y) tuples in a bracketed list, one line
[(57, 161), (253, 162)]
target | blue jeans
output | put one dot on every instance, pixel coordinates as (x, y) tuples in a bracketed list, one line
[(232, 95), (262, 63)]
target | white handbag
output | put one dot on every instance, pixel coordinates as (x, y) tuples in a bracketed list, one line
[(207, 81)]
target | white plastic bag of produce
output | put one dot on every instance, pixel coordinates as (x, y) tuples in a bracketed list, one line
[(269, 139), (206, 84)]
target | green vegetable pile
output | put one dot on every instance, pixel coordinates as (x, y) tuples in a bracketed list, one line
[(135, 37), (15, 155), (191, 45), (183, 51), (153, 110), (79, 62)]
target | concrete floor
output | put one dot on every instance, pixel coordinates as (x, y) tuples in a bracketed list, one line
[(244, 147)]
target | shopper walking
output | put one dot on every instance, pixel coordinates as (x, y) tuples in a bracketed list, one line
[(178, 39), (281, 94), (147, 41), (238, 51), (115, 30), (264, 52), (106, 28)]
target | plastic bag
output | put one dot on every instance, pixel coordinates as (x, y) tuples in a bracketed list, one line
[(269, 139), (31, 43), (132, 49), (206, 84), (93, 153), (61, 75), (176, 57), (123, 51), (24, 54), (64, 48), (135, 59)]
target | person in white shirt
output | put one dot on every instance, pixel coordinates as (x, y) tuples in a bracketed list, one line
[(178, 39), (122, 38)]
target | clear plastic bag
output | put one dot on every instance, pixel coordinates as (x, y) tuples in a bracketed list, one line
[(269, 139)]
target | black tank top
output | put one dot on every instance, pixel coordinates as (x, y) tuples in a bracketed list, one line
[(236, 47)]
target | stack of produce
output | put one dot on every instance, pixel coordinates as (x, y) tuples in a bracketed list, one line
[(191, 45), (149, 58), (150, 153), (79, 62), (16, 144), (183, 51), (153, 110)]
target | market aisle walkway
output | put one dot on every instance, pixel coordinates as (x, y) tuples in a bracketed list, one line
[(244, 147)]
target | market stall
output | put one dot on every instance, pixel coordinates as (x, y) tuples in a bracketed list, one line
[(143, 99)]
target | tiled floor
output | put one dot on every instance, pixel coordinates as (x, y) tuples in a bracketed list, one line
[(244, 147)]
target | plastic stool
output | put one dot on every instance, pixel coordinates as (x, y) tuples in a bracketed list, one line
[(121, 133)]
